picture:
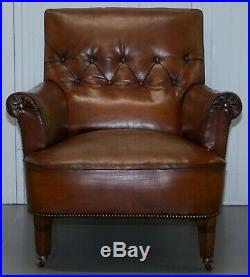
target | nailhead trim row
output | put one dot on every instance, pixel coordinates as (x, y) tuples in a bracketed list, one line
[(170, 216)]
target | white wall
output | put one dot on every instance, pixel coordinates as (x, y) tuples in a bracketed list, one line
[(8, 128), (226, 69)]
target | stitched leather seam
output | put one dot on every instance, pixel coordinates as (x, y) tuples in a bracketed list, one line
[(95, 167)]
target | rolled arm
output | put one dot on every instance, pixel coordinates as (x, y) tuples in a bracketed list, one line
[(207, 115), (41, 114)]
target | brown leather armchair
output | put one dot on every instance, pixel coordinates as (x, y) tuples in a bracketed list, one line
[(123, 125)]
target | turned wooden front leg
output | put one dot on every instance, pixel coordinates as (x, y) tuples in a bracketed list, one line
[(43, 230), (206, 235)]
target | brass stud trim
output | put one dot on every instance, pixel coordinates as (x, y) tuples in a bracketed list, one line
[(170, 216)]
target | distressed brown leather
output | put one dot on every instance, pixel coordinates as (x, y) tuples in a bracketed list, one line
[(123, 123), (193, 191), (134, 149), (42, 115), (118, 73), (207, 115)]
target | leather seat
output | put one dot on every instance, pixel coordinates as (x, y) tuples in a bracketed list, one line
[(149, 172), (124, 149)]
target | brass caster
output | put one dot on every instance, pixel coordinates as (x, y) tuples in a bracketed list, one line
[(208, 264), (41, 261)]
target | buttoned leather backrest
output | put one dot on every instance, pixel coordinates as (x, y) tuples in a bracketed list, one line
[(124, 68)]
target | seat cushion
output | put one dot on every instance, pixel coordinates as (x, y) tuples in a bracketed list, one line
[(133, 172), (124, 149)]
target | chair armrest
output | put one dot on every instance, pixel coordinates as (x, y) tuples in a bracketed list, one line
[(207, 115), (41, 114)]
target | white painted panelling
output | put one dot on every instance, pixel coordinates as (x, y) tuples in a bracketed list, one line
[(226, 69), (225, 40), (242, 89), (165, 5), (8, 128), (20, 85)]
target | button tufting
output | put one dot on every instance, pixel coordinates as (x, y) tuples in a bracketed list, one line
[(174, 81), (123, 59), (186, 58), (157, 60), (77, 81), (92, 60)]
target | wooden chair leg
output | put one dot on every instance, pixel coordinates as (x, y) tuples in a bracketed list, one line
[(43, 230), (206, 235)]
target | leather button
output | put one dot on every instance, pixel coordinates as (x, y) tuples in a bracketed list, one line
[(174, 81), (91, 59), (186, 58), (77, 81), (157, 60)]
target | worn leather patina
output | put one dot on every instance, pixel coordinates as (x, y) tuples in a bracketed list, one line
[(123, 124)]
